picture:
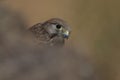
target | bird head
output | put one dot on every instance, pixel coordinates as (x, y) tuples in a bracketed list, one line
[(57, 27)]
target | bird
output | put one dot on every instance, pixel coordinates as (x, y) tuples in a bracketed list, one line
[(52, 32)]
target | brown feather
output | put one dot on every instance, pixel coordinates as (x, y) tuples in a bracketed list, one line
[(43, 37)]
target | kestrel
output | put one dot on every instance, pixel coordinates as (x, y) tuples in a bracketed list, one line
[(52, 32)]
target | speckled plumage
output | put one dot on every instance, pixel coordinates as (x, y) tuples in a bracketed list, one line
[(43, 36)]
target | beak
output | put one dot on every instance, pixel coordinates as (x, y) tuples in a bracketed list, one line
[(66, 34)]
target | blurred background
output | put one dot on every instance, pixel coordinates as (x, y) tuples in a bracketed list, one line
[(95, 29)]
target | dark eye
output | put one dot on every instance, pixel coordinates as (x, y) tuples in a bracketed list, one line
[(58, 26)]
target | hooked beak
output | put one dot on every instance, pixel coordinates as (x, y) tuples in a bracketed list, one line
[(66, 34)]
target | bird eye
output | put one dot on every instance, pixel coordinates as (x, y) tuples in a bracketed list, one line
[(58, 26)]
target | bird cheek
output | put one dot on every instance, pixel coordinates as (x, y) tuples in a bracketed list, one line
[(50, 31)]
